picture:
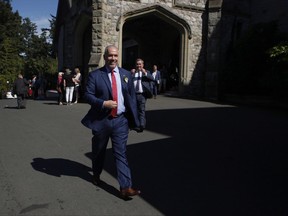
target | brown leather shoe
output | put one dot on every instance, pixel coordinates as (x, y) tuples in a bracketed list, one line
[(96, 180), (129, 192)]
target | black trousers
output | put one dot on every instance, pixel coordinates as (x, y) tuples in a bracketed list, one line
[(21, 101)]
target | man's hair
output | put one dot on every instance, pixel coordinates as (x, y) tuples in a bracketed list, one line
[(107, 48), (139, 59)]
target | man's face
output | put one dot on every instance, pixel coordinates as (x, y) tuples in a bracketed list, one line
[(139, 65), (111, 58)]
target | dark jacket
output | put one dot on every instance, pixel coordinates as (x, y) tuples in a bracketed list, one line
[(146, 84), (20, 86)]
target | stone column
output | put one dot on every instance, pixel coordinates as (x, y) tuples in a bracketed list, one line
[(213, 49)]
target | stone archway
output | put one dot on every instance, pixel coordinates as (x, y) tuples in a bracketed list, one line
[(82, 41), (159, 37), (82, 45)]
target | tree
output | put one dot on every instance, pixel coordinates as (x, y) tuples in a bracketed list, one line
[(10, 42), (21, 49)]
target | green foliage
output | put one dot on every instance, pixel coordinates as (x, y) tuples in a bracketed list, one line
[(10, 42), (280, 52), (279, 57), (21, 49), (251, 71)]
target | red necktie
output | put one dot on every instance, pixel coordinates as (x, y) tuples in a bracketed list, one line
[(114, 93)]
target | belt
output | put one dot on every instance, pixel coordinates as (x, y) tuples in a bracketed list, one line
[(114, 117), (139, 93)]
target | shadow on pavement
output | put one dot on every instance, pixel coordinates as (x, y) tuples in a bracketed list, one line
[(59, 167), (52, 103), (62, 167), (217, 161), (10, 107)]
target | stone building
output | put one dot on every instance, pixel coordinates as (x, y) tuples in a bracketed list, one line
[(189, 37)]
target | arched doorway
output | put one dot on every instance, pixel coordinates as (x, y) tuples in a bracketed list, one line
[(155, 41), (158, 37)]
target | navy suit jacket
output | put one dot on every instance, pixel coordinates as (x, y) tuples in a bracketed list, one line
[(98, 90), (146, 80), (157, 77)]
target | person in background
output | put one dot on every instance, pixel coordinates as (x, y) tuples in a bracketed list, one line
[(141, 80), (20, 88), (133, 70), (41, 87), (69, 84), (157, 79), (60, 87), (77, 80), (33, 87), (111, 94), (30, 91)]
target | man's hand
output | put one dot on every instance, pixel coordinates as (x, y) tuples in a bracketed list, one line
[(110, 104), (144, 71)]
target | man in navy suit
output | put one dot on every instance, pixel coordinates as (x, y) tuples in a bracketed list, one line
[(106, 124), (142, 79), (156, 80)]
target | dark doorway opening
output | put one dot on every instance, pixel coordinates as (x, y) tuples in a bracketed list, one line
[(155, 41)]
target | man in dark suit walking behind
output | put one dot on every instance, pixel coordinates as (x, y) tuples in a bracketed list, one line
[(111, 94), (20, 88), (141, 80)]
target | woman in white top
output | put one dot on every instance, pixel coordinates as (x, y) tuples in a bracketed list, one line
[(77, 81)]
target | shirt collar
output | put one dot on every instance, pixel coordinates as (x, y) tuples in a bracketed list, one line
[(116, 70)]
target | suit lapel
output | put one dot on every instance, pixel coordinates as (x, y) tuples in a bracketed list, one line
[(124, 80), (104, 74)]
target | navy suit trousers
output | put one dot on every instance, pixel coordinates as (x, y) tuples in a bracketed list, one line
[(141, 106), (117, 130)]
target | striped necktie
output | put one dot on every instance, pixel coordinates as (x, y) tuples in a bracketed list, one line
[(138, 78)]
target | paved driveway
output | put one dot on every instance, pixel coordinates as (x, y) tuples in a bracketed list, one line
[(195, 158)]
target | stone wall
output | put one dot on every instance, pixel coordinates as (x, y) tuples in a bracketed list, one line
[(106, 15), (207, 30)]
